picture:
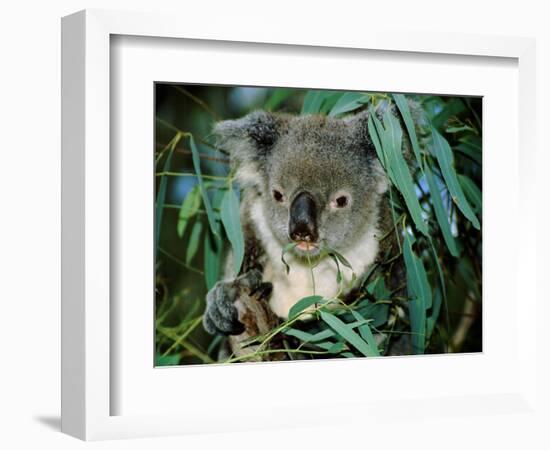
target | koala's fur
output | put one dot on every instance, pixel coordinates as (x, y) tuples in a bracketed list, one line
[(325, 157)]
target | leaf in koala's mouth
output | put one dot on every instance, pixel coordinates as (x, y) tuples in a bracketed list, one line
[(286, 249)]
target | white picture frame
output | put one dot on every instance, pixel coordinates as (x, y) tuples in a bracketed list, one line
[(88, 386)]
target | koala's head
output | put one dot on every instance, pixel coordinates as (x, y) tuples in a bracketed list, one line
[(317, 179)]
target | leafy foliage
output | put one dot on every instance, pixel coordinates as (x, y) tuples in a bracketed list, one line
[(436, 205)]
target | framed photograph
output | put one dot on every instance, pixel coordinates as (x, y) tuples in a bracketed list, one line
[(253, 219), (344, 215)]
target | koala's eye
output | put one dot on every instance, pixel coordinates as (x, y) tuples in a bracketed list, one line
[(278, 196), (340, 202)]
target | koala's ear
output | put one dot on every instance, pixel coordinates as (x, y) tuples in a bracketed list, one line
[(259, 127), (359, 127), (249, 141)]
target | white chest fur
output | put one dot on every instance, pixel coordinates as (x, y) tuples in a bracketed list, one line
[(298, 283)]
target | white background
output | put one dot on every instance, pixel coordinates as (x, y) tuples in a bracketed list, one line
[(141, 389), (30, 237)]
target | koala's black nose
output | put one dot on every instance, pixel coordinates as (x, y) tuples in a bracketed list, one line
[(302, 224)]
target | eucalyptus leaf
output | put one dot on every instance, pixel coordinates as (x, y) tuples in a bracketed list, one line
[(366, 334), (231, 219), (161, 194), (440, 214), (460, 129), (303, 304), (377, 313), (450, 108), (376, 132), (350, 101), (472, 191), (189, 207), (193, 243), (391, 143), (420, 292), (432, 319), (278, 96), (467, 150), (330, 101), (212, 257), (403, 106), (287, 248), (377, 288), (168, 360), (312, 102), (205, 199), (444, 156), (319, 336), (347, 333), (308, 337)]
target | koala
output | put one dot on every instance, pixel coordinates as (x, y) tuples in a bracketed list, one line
[(311, 181)]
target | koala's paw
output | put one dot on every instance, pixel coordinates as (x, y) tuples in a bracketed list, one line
[(221, 315)]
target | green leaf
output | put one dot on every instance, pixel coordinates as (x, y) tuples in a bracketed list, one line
[(444, 156), (432, 320), (467, 150), (440, 214), (420, 291), (314, 100), (472, 191), (339, 259), (376, 131), (347, 333), (366, 334), (453, 107), (329, 102), (376, 313), (205, 199), (286, 249), (459, 129), (331, 347), (168, 360), (377, 288), (441, 292), (212, 258), (308, 337), (321, 335), (189, 207), (231, 219), (470, 145), (350, 101), (391, 143), (403, 106), (161, 195), (278, 96), (303, 304), (437, 265), (193, 243)]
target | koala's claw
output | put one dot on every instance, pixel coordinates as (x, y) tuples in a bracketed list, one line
[(221, 316)]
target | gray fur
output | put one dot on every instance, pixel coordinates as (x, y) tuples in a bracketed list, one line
[(323, 156)]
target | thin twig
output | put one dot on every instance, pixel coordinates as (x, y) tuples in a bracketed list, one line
[(266, 352), (187, 174), (185, 151), (180, 339), (181, 263), (187, 134), (198, 101)]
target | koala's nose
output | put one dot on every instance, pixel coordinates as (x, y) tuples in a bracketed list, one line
[(302, 224)]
